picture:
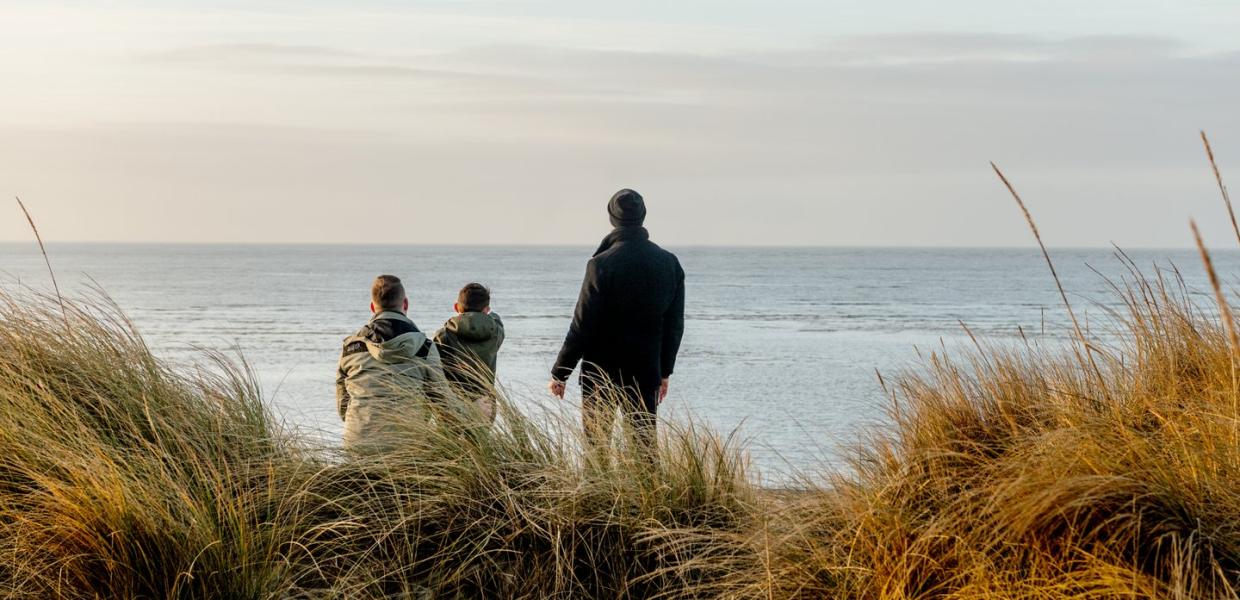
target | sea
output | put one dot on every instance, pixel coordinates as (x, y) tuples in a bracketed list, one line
[(783, 349)]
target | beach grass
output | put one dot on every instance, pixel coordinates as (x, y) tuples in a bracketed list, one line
[(122, 477), (1011, 471), (1060, 467)]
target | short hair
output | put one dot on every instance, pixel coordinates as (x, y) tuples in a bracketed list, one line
[(387, 292), (474, 297)]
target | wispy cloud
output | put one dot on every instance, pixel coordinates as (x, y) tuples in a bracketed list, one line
[(964, 47), (234, 53), (855, 140)]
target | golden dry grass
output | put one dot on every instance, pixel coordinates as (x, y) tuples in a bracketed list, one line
[(1009, 472), (121, 477), (1006, 476)]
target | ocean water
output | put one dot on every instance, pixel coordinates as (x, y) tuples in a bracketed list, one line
[(781, 344)]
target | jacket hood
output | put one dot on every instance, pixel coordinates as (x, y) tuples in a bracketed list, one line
[(621, 234), (402, 348), (391, 337), (473, 326)]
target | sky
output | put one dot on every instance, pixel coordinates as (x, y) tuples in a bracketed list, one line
[(775, 122)]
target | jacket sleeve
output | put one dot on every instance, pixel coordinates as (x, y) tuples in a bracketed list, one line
[(437, 388), (342, 392), (673, 326), (585, 320), (500, 338), (443, 346)]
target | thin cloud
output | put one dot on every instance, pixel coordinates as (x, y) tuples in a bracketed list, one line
[(914, 48), (875, 140), (216, 53)]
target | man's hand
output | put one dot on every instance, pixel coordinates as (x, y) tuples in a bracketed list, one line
[(663, 389), (557, 388)]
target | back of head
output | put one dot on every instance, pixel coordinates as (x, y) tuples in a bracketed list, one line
[(388, 293), (627, 208), (474, 297)]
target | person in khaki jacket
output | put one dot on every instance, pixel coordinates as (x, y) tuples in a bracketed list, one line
[(389, 371)]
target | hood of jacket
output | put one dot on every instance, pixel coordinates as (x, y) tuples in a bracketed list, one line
[(620, 235), (391, 337), (473, 326)]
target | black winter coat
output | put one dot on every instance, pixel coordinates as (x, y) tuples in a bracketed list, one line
[(630, 315)]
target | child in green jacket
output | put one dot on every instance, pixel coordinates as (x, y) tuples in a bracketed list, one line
[(469, 344)]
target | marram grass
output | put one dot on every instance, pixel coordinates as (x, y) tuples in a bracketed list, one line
[(1008, 472)]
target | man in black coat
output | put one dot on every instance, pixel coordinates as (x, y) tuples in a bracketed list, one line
[(627, 327)]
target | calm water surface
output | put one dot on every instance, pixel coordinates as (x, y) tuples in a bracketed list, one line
[(782, 343)]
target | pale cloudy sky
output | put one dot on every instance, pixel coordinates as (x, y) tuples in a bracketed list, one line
[(512, 121)]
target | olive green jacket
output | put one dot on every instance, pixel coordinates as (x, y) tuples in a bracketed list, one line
[(469, 344)]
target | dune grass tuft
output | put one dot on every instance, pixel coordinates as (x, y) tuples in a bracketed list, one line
[(1004, 477)]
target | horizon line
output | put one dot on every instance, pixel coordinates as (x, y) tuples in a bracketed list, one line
[(1031, 246)]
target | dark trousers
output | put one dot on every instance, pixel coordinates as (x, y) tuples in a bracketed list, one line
[(602, 395)]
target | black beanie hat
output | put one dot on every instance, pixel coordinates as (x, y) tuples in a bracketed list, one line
[(627, 209)]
